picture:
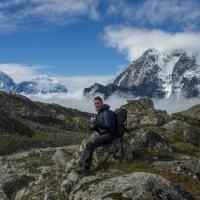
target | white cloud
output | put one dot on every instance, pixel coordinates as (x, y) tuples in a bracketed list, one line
[(77, 101), (134, 41), (182, 14), (19, 72), (75, 83), (18, 13)]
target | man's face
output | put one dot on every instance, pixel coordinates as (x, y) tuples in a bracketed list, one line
[(98, 105)]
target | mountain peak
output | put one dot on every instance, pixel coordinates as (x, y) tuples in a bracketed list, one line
[(158, 74), (6, 82), (150, 51), (40, 84)]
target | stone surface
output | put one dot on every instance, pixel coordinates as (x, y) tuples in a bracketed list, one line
[(64, 154), (111, 153), (66, 188), (14, 184), (183, 131), (134, 186), (139, 105), (150, 140), (189, 167)]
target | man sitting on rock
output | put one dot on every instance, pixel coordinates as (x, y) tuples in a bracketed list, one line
[(105, 124)]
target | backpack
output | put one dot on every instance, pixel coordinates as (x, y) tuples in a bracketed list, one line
[(120, 121)]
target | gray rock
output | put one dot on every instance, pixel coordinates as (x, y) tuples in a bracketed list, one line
[(150, 140), (134, 186), (176, 126), (73, 176), (188, 167), (114, 152), (48, 197), (66, 188), (64, 154), (14, 184), (186, 132)]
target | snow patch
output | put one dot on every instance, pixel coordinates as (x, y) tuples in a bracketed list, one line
[(166, 63)]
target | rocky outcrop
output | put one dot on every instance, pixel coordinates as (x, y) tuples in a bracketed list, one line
[(142, 113), (142, 104), (150, 141), (108, 153), (186, 132), (133, 186)]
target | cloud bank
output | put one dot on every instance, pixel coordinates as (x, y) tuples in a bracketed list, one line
[(75, 99), (133, 41), (21, 72)]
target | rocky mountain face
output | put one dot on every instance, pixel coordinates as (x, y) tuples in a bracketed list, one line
[(158, 158), (156, 74), (39, 85), (6, 83)]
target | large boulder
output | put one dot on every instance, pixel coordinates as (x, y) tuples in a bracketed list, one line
[(139, 105), (150, 141), (142, 113), (109, 153), (11, 186), (134, 186), (181, 130), (64, 154)]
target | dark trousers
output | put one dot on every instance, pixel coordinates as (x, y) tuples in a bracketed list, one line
[(98, 141)]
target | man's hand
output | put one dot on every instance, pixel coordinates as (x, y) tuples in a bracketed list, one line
[(93, 120)]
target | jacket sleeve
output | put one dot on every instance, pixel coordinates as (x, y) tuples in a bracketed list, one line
[(107, 121)]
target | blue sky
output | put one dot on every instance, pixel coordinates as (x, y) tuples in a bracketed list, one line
[(91, 37), (76, 49)]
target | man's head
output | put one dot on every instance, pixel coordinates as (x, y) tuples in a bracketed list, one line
[(98, 103)]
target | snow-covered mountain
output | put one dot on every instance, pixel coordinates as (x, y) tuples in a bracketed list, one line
[(6, 82), (39, 85), (42, 85), (156, 74)]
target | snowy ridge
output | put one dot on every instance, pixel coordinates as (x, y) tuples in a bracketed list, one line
[(39, 85)]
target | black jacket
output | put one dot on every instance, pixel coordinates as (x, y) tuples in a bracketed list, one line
[(105, 121)]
